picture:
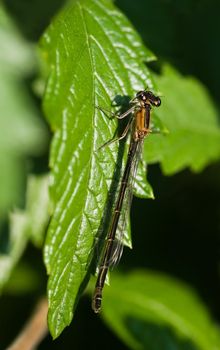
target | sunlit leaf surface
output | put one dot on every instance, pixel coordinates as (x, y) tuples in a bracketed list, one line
[(95, 58)]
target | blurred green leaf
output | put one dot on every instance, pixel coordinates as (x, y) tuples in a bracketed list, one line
[(152, 311), (16, 54), (192, 120), (95, 58), (14, 248), (25, 225), (23, 279), (21, 131)]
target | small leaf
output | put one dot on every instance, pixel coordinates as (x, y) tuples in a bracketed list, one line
[(142, 304), (14, 248), (192, 120), (25, 225), (95, 58)]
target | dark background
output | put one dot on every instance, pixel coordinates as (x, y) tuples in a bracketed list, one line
[(178, 232)]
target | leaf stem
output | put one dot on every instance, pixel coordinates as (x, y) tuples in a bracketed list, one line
[(34, 330)]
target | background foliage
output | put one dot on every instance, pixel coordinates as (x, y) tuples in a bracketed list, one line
[(182, 228)]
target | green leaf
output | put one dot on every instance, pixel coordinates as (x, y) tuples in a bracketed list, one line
[(22, 133), (25, 225), (14, 248), (192, 120), (152, 311), (95, 58)]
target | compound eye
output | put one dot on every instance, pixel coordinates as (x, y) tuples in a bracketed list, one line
[(140, 94), (157, 102)]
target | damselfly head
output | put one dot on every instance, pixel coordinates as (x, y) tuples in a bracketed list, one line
[(148, 97)]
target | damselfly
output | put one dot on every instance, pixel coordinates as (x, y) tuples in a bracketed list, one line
[(139, 124)]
